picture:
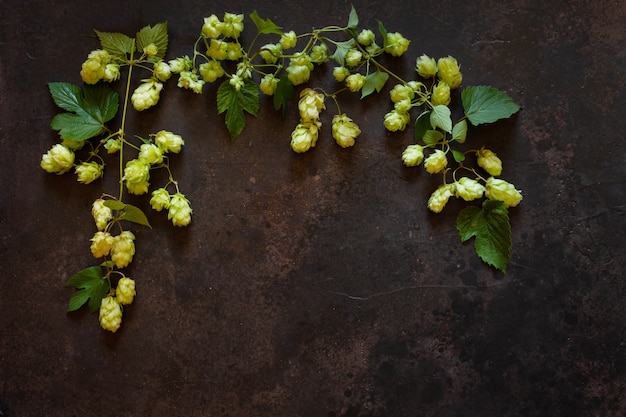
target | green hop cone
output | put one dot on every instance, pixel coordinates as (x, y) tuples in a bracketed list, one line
[(110, 314), (179, 211), (58, 160), (160, 199), (489, 161), (125, 292), (497, 189), (101, 214), (396, 120), (413, 155), (269, 84), (436, 162), (146, 95), (136, 175), (344, 130), (426, 66), (468, 189), (396, 44), (168, 141), (449, 71), (310, 105), (441, 94), (101, 244), (439, 198), (123, 249), (304, 136)]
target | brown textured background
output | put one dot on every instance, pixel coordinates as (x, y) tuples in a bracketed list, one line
[(318, 285)]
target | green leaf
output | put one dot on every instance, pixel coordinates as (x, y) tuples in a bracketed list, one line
[(422, 124), (342, 49), (374, 81), (353, 19), (157, 35), (265, 26), (234, 102), (382, 30), (76, 127), (92, 286), (459, 131), (135, 215), (283, 94), (458, 156), (432, 137), (128, 212), (90, 108), (484, 104), (492, 230), (114, 204), (441, 118), (116, 44)]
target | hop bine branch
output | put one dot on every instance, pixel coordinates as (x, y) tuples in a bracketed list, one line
[(274, 63)]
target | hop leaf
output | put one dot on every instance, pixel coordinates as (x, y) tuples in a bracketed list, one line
[(484, 104), (88, 109), (92, 287), (492, 230), (234, 102)]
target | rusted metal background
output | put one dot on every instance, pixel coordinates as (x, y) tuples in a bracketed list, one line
[(318, 284)]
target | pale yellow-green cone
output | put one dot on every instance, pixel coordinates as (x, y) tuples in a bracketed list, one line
[(110, 314), (101, 214), (123, 249), (344, 130), (179, 211), (413, 155), (449, 71), (125, 291), (436, 162), (58, 160), (468, 189), (168, 141), (497, 189), (426, 66), (101, 244), (439, 198), (489, 161)]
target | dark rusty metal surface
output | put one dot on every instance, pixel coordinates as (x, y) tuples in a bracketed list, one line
[(318, 284)]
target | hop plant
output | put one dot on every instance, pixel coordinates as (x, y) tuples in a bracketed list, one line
[(125, 291), (58, 160), (101, 214), (136, 176), (426, 66), (146, 95), (468, 189), (160, 199), (396, 44), (396, 120), (123, 249), (304, 136), (413, 155), (101, 244), (344, 130), (439, 198), (168, 141), (489, 161), (150, 154), (497, 189), (436, 162), (310, 105), (110, 314), (179, 211), (441, 94), (449, 71)]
